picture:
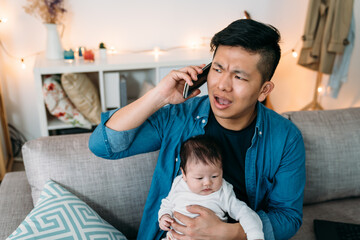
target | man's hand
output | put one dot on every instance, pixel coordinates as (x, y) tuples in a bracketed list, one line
[(205, 226), (172, 85)]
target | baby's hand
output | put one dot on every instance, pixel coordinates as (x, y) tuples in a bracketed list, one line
[(165, 222)]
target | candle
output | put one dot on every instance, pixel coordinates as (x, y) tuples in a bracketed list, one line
[(69, 55), (89, 55)]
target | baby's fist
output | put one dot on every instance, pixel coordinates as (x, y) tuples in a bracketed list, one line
[(165, 222)]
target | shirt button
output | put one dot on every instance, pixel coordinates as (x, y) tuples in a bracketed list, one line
[(203, 121), (197, 117), (176, 159), (260, 133)]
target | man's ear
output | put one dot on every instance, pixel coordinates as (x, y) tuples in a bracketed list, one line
[(266, 89)]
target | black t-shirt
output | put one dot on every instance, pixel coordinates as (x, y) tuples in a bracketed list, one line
[(234, 145)]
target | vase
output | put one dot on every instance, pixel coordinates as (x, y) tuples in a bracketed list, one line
[(54, 49)]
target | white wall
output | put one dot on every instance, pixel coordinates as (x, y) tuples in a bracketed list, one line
[(140, 24)]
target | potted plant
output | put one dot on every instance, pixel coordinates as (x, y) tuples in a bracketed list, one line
[(102, 50)]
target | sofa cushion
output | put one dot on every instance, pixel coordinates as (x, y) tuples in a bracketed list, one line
[(115, 189), (61, 215), (345, 210), (332, 140)]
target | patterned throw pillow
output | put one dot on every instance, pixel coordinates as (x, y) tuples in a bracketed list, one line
[(60, 106), (83, 94), (60, 215)]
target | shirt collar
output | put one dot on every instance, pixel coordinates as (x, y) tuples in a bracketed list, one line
[(204, 109), (259, 127)]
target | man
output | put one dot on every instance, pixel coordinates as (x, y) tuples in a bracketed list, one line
[(264, 153)]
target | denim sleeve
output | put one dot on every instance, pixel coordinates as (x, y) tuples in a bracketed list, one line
[(267, 227), (283, 216), (110, 144)]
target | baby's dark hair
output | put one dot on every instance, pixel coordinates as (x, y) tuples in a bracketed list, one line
[(202, 149)]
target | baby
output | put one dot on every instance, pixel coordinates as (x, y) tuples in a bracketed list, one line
[(201, 183)]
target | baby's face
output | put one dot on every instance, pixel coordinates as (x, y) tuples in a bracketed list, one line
[(203, 179)]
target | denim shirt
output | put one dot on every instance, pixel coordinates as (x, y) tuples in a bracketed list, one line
[(274, 164)]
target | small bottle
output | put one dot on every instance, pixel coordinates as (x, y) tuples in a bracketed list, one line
[(81, 52)]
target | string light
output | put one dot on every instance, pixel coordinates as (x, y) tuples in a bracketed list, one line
[(194, 45), (293, 51), (3, 20), (23, 65), (320, 89), (112, 50), (155, 51), (22, 60)]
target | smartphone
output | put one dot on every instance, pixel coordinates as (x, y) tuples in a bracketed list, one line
[(202, 77)]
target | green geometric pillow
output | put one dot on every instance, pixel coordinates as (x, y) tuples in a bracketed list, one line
[(61, 215)]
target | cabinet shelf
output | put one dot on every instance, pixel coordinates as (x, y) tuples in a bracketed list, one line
[(55, 124), (136, 68)]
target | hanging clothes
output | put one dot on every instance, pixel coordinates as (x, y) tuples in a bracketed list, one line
[(341, 65), (326, 29)]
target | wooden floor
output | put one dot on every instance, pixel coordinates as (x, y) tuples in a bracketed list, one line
[(18, 166)]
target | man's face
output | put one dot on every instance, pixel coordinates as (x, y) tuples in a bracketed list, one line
[(235, 86), (203, 179)]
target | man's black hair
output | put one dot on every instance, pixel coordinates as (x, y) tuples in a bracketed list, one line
[(202, 149), (254, 37)]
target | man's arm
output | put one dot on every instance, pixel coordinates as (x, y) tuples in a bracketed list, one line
[(119, 130), (168, 91)]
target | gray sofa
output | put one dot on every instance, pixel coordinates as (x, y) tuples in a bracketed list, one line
[(117, 190)]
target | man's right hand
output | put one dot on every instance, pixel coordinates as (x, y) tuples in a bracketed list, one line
[(172, 85)]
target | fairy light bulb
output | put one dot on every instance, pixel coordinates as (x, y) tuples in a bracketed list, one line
[(194, 45), (294, 53), (3, 20), (23, 65), (112, 50), (156, 52), (320, 89)]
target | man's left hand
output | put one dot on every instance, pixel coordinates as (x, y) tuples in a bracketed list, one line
[(205, 226)]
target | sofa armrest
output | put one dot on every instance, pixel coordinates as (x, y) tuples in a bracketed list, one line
[(15, 202)]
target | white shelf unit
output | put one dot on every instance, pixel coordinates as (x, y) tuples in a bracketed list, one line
[(134, 67)]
